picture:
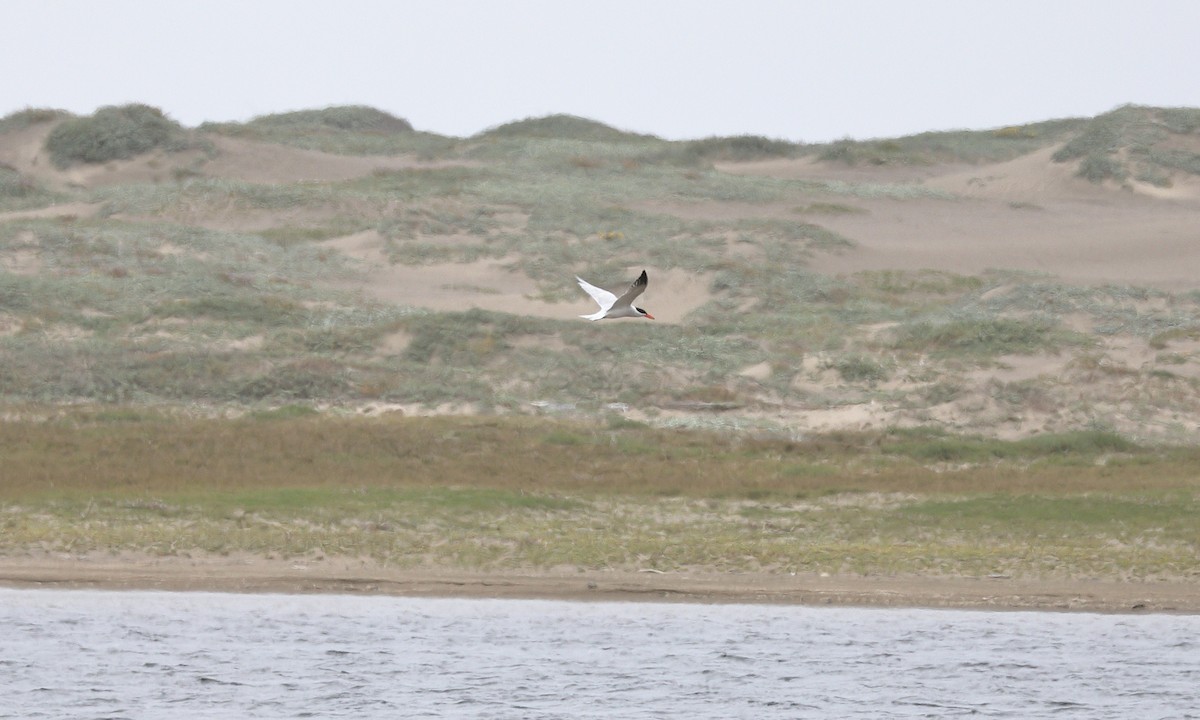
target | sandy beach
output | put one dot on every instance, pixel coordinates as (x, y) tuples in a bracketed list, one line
[(253, 574)]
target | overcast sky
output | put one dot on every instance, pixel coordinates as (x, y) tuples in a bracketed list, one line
[(804, 71)]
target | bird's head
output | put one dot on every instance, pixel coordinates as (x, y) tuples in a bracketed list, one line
[(643, 313)]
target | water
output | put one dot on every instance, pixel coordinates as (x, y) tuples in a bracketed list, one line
[(90, 654)]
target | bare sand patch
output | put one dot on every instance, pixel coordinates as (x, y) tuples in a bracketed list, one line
[(859, 416), (367, 246), (1031, 178), (1029, 214), (488, 284), (394, 343), (760, 371), (493, 284), (1139, 241), (24, 150)]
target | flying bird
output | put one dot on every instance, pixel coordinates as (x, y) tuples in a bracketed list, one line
[(612, 306)]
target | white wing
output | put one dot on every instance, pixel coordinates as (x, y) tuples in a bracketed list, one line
[(603, 298)]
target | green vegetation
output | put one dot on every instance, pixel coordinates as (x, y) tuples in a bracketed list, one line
[(560, 127), (739, 148), (348, 129), (18, 192), (114, 133), (972, 146), (28, 117), (495, 493), (986, 336), (933, 446), (347, 118), (1135, 141)]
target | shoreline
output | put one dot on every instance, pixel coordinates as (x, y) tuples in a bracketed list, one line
[(351, 576)]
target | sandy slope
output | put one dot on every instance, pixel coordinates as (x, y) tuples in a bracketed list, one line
[(492, 284), (1028, 214)]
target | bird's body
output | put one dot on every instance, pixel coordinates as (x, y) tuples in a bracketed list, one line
[(612, 306)]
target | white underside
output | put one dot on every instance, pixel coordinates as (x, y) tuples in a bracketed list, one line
[(621, 312)]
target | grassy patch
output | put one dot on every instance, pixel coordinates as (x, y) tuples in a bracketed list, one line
[(950, 146), (933, 446), (497, 493)]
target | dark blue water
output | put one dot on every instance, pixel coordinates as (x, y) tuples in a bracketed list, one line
[(90, 654)]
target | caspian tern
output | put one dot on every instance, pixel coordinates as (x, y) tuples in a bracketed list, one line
[(612, 306)]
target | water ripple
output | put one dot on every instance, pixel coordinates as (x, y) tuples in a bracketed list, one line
[(161, 655)]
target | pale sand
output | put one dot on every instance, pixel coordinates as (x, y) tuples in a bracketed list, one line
[(492, 284), (1029, 214), (352, 576)]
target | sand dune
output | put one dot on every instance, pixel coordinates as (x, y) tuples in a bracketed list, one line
[(1029, 214), (229, 158)]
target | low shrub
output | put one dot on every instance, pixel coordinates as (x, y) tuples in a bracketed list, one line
[(1098, 167), (740, 148), (350, 118), (114, 133), (860, 368), (562, 127)]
